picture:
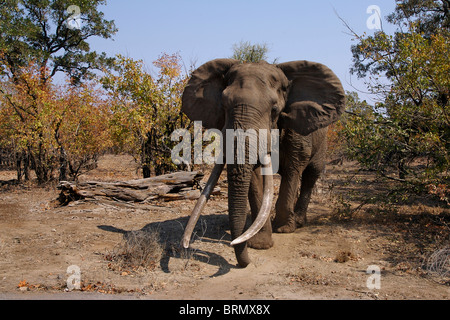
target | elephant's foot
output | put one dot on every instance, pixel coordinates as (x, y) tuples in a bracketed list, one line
[(288, 228), (286, 225), (294, 222), (261, 241), (300, 220)]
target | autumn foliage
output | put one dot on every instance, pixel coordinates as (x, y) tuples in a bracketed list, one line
[(53, 130), (58, 131), (146, 109)]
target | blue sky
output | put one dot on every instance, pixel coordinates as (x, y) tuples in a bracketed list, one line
[(201, 30)]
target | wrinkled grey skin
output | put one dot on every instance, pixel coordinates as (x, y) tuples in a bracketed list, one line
[(300, 98)]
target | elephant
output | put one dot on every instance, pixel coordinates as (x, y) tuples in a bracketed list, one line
[(300, 99)]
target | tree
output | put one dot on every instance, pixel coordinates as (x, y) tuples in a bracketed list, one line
[(409, 129), (36, 42), (247, 52), (24, 127), (146, 109), (431, 15), (38, 31), (345, 136), (60, 127), (81, 129)]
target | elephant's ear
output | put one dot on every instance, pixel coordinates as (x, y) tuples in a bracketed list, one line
[(316, 97), (203, 94)]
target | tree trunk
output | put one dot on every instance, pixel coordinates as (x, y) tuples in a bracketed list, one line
[(169, 187), (62, 165)]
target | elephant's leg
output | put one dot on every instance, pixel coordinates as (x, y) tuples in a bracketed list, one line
[(284, 221), (263, 239), (309, 178)]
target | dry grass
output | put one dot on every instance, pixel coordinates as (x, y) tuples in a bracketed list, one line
[(439, 263), (139, 251)]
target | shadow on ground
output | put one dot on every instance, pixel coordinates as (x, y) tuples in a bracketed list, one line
[(209, 229)]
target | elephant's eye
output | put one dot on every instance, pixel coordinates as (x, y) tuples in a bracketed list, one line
[(274, 110)]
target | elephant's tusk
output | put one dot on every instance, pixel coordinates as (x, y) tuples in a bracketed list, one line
[(212, 181), (266, 205)]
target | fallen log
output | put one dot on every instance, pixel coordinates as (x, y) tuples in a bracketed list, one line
[(168, 187)]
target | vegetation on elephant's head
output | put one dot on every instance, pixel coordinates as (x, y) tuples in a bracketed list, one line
[(408, 130), (245, 51), (146, 109)]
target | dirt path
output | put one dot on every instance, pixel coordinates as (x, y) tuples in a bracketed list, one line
[(327, 259)]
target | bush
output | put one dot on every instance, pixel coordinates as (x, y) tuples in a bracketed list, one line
[(140, 250)]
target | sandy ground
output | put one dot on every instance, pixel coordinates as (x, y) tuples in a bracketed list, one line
[(327, 259)]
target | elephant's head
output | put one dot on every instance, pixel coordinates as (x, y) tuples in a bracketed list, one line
[(301, 96)]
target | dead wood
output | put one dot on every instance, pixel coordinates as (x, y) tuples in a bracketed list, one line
[(169, 187)]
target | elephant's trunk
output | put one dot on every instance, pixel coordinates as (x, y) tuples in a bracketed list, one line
[(266, 204), (239, 176), (239, 179)]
